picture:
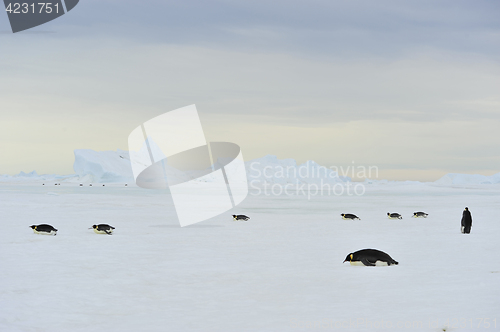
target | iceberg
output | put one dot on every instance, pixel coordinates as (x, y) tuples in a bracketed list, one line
[(114, 166), (103, 166), (468, 179)]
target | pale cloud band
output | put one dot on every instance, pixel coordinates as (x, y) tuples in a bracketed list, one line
[(408, 86)]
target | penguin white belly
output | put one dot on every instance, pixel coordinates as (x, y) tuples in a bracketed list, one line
[(380, 263), (44, 233), (377, 263), (102, 232), (357, 263)]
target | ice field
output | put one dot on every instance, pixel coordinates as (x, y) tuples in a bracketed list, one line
[(281, 271)]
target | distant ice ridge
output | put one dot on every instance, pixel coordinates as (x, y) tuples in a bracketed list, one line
[(389, 182), (34, 177), (468, 179), (114, 166)]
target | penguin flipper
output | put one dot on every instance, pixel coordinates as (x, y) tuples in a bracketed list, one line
[(366, 262), (109, 233)]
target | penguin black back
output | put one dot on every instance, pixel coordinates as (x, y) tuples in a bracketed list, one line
[(466, 221), (103, 229), (370, 257), (349, 216), (44, 229), (240, 217)]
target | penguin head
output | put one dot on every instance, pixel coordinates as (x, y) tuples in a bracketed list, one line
[(94, 226), (388, 213), (342, 214), (234, 216), (33, 226), (466, 209), (348, 258)]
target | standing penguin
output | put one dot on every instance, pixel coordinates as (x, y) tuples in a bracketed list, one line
[(466, 221)]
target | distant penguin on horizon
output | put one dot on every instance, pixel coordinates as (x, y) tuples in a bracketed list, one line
[(394, 215), (44, 229), (349, 216), (370, 257), (466, 221), (103, 229)]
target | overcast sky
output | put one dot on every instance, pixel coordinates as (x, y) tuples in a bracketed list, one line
[(412, 87)]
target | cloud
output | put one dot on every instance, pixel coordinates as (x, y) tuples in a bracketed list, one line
[(384, 29), (312, 67)]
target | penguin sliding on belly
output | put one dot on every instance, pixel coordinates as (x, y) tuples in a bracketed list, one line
[(370, 257), (394, 215), (44, 229), (240, 217), (349, 216), (420, 215), (103, 229)]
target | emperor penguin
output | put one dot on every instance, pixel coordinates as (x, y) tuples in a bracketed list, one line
[(44, 229), (103, 229), (394, 215), (349, 216), (370, 257), (420, 215), (240, 217), (466, 221)]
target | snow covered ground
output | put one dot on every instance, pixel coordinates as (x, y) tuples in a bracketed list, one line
[(281, 271)]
